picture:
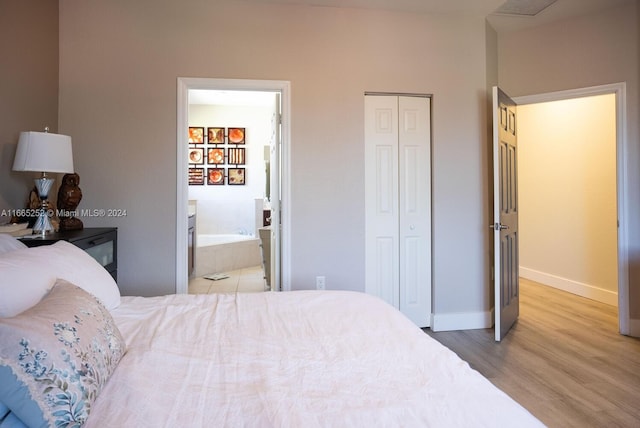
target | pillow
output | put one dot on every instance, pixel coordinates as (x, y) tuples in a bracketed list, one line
[(9, 243), (26, 275), (56, 357), (10, 421)]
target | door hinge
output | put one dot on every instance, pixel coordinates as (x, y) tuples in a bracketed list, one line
[(498, 226)]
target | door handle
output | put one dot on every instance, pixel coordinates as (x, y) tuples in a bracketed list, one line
[(498, 226)]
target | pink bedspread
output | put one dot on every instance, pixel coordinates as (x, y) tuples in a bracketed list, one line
[(293, 359)]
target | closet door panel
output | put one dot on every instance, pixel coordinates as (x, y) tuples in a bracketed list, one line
[(414, 145), (381, 198)]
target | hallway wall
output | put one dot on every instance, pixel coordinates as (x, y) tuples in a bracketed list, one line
[(567, 195)]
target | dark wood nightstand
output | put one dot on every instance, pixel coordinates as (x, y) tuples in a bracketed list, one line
[(101, 243)]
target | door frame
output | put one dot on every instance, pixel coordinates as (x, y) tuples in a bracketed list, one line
[(619, 90), (184, 84)]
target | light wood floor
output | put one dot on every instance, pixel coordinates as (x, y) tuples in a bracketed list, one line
[(564, 360)]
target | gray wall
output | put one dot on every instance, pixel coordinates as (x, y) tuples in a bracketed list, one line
[(586, 51), (28, 87), (119, 61)]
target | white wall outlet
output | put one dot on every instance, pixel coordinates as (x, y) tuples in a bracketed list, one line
[(320, 282)]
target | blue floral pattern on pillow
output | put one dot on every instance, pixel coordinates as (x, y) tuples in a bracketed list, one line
[(66, 358)]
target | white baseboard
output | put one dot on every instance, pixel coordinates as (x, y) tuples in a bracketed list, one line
[(575, 287), (462, 321)]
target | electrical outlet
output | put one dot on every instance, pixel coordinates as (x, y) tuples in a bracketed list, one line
[(320, 282)]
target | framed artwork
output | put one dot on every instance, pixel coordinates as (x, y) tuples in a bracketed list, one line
[(196, 156), (236, 156), (215, 156), (236, 176), (236, 135), (196, 176), (215, 135), (215, 176), (196, 135)]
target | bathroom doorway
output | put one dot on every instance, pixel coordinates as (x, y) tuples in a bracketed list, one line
[(232, 139)]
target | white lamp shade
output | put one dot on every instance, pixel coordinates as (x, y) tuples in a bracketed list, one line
[(43, 152)]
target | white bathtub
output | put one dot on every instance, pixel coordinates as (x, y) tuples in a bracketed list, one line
[(206, 240), (223, 253)]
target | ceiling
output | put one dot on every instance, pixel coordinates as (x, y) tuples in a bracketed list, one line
[(502, 23)]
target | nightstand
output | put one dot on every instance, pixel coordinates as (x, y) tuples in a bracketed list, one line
[(101, 243)]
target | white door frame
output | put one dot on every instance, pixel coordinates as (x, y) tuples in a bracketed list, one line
[(182, 197), (619, 90)]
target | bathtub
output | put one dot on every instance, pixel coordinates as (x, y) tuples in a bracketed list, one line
[(223, 253)]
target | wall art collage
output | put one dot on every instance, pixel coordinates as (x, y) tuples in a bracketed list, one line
[(215, 156)]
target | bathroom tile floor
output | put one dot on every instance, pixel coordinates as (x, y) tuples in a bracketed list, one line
[(244, 280)]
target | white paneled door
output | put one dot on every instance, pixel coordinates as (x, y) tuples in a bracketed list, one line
[(398, 202), (505, 211)]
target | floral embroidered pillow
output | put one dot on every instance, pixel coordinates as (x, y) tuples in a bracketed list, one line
[(56, 357)]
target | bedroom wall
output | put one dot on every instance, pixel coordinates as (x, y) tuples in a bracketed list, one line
[(29, 88), (119, 64), (586, 51)]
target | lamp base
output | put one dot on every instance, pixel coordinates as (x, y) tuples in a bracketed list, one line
[(43, 224)]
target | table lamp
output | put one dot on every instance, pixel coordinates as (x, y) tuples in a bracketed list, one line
[(43, 152)]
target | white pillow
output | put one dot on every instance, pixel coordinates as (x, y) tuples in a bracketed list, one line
[(9, 243), (27, 274)]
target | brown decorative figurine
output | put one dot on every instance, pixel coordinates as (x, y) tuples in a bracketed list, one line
[(69, 196)]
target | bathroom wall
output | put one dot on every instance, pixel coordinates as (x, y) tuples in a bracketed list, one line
[(224, 209)]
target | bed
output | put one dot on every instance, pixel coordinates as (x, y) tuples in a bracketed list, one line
[(292, 359)]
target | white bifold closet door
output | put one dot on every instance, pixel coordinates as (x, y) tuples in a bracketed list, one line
[(398, 203)]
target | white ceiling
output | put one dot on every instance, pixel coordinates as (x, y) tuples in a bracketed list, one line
[(559, 10)]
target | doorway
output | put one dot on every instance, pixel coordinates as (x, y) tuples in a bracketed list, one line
[(237, 165), (573, 170), (620, 227), (230, 136)]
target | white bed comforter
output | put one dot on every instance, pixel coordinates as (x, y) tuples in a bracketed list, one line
[(295, 359)]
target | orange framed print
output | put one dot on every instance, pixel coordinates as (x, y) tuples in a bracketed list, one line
[(196, 135), (215, 135), (215, 176), (196, 176), (215, 156), (196, 156), (236, 176), (236, 156), (236, 135)]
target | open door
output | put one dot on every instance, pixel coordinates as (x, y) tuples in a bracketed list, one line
[(505, 213), (274, 193)]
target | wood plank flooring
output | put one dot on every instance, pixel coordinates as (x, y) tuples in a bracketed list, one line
[(564, 360)]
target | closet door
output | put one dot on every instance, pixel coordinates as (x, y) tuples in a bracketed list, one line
[(414, 185), (382, 252), (398, 203)]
